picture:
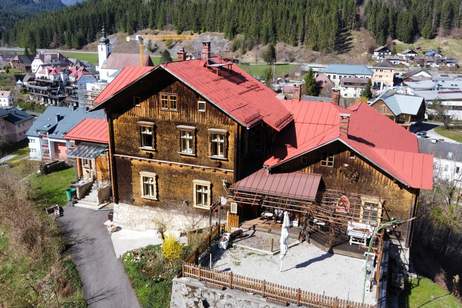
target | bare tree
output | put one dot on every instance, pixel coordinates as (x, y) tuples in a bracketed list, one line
[(441, 113)]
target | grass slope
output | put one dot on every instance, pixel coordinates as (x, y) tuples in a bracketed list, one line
[(450, 47), (425, 293), (258, 70), (453, 133), (50, 189)]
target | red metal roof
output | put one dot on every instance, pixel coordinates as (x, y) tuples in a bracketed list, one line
[(92, 130), (371, 134), (296, 185), (234, 91), (126, 77)]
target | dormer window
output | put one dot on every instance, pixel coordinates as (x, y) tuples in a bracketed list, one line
[(168, 101)]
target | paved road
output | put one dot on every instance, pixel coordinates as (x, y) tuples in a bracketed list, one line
[(105, 283)]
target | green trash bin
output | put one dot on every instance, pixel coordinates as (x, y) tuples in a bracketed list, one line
[(70, 192)]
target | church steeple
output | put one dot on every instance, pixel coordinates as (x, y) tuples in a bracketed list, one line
[(104, 48)]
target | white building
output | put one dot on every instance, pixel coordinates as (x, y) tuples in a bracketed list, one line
[(336, 72), (352, 87), (49, 59), (381, 53), (6, 99), (447, 160)]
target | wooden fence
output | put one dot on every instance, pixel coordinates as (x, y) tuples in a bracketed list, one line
[(266, 289)]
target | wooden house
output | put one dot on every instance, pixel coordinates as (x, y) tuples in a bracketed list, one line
[(182, 132), (338, 171)]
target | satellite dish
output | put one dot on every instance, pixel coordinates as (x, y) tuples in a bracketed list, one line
[(223, 201)]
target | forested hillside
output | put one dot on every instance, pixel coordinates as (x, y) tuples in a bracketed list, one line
[(13, 10), (318, 24)]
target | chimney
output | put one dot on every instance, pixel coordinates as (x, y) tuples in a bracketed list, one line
[(205, 54), (141, 50), (344, 123), (181, 55), (336, 96), (297, 94)]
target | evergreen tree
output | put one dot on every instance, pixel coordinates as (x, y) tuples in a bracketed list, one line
[(165, 57), (311, 86), (367, 92), (269, 54)]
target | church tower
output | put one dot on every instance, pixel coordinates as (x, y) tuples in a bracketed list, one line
[(104, 48)]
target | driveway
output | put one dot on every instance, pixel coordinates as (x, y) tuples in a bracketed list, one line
[(105, 283)]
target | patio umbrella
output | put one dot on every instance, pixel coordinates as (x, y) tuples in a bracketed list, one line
[(284, 240)]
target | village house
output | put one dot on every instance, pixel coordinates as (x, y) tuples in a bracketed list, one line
[(384, 76), (14, 124), (184, 134), (88, 152), (352, 87), (47, 134), (447, 160), (6, 99), (21, 62), (381, 53), (401, 108), (181, 141), (335, 72), (451, 100), (407, 55), (52, 59)]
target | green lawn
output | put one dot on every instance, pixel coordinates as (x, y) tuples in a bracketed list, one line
[(83, 56), (453, 133), (258, 70), (425, 293), (50, 189), (7, 80), (451, 47)]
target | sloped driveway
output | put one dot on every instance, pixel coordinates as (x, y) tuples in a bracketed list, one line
[(105, 283)]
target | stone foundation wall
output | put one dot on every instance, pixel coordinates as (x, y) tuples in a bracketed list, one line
[(188, 292), (150, 218)]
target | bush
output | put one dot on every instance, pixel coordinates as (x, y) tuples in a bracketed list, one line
[(171, 249)]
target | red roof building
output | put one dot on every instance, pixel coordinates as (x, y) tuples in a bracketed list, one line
[(367, 132), (232, 90), (90, 130)]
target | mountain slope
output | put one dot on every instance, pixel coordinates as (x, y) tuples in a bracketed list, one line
[(12, 11)]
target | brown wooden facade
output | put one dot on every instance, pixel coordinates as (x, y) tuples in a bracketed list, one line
[(349, 173), (175, 171), (405, 119)]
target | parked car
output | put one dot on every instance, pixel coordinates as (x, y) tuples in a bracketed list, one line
[(422, 134)]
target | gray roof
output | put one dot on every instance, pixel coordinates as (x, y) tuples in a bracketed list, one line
[(347, 69), (444, 95), (400, 103), (441, 149), (87, 150), (57, 121), (14, 115)]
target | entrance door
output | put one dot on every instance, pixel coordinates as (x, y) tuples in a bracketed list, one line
[(88, 169)]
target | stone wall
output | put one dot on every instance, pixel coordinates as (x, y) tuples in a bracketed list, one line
[(188, 292), (151, 218)]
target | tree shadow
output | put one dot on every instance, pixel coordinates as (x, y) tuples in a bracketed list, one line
[(313, 260)]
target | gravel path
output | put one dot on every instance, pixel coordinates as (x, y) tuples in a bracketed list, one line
[(105, 283)]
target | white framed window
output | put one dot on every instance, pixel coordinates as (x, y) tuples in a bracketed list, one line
[(147, 140), (218, 143), (187, 139), (202, 194), (168, 101), (327, 161), (201, 105), (371, 211), (148, 185), (87, 163)]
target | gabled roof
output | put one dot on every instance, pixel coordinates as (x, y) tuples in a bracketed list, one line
[(235, 92), (125, 78), (371, 135), (400, 103), (382, 49), (347, 69), (14, 115), (57, 121), (120, 60), (91, 130)]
